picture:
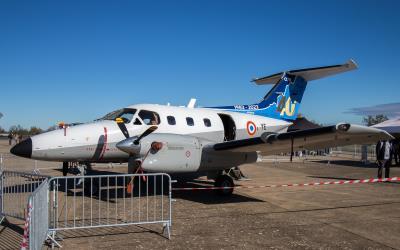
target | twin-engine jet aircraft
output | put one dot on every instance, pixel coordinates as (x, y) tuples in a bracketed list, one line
[(211, 140)]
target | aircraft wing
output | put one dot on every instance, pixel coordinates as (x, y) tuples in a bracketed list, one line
[(310, 139)]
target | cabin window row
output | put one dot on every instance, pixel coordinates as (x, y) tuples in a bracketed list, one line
[(189, 121), (147, 117)]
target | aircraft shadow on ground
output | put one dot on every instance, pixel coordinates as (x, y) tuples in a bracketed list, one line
[(152, 187), (206, 196)]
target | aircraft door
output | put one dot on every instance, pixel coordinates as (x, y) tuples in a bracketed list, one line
[(229, 127)]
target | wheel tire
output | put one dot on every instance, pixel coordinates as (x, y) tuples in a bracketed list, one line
[(224, 181), (65, 168)]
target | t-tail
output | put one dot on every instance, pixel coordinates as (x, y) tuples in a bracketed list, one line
[(284, 99)]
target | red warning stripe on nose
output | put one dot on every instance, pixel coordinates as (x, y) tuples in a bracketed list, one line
[(103, 150)]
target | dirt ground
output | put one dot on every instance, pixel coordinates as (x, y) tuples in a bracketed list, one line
[(358, 216)]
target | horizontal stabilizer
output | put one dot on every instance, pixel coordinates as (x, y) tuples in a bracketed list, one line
[(310, 73)]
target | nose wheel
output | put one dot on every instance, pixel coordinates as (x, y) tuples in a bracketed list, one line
[(75, 168), (226, 185)]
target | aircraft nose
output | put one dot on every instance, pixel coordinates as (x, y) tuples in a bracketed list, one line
[(23, 149)]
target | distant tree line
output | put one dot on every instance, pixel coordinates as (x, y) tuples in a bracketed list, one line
[(372, 120), (18, 129)]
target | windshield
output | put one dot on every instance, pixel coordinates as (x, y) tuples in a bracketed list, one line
[(125, 114), (149, 117)]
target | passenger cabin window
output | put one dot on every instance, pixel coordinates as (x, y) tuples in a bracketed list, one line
[(125, 114), (171, 120), (207, 122), (149, 117), (189, 121)]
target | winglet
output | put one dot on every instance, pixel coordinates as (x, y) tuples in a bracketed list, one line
[(309, 74)]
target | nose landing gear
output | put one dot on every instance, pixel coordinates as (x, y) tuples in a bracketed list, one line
[(75, 168)]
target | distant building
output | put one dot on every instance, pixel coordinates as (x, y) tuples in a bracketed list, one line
[(391, 126)]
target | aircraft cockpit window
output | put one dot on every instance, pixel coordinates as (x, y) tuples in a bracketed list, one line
[(149, 117), (137, 122), (125, 114)]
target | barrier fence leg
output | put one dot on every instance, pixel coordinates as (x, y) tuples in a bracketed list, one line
[(167, 227), (1, 197), (1, 163), (52, 237), (36, 170)]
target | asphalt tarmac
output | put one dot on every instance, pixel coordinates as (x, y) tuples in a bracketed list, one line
[(357, 216)]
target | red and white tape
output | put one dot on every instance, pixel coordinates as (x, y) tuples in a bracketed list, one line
[(297, 184), (25, 238)]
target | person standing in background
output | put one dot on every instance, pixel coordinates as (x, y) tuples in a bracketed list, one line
[(10, 136), (15, 138), (395, 151), (384, 157)]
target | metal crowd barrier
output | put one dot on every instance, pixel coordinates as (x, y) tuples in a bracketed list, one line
[(15, 189), (1, 163), (38, 207), (82, 202)]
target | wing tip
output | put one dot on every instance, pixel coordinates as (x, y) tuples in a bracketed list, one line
[(352, 64)]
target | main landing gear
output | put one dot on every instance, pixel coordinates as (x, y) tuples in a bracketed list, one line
[(75, 168), (225, 184)]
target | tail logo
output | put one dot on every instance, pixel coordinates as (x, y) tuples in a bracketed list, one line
[(286, 107), (289, 108)]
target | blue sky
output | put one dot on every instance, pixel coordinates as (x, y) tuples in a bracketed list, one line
[(77, 60)]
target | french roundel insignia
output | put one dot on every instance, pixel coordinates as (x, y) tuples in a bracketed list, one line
[(251, 128)]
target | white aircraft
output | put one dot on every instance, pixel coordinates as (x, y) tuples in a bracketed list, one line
[(210, 140)]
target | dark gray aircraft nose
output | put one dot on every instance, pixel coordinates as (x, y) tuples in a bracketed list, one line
[(23, 149)]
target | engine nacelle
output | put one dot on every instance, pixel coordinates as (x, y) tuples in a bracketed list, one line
[(185, 153), (178, 154)]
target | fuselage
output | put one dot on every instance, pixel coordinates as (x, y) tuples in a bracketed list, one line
[(96, 141)]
